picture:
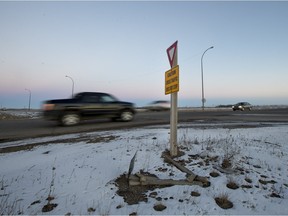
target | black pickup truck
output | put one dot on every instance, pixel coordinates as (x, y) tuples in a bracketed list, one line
[(87, 105)]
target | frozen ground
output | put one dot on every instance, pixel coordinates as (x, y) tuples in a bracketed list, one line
[(18, 114), (76, 174)]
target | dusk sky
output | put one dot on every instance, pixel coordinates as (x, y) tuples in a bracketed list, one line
[(120, 48)]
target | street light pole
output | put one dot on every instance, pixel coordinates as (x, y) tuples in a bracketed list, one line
[(29, 98), (203, 99), (72, 84)]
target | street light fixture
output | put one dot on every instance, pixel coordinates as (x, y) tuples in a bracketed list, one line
[(29, 98), (72, 84), (203, 99)]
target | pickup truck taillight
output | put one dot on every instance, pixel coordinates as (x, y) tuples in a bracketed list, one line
[(47, 107)]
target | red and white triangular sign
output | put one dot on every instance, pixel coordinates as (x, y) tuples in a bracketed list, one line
[(171, 52)]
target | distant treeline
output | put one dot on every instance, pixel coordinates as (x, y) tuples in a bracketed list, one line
[(224, 106)]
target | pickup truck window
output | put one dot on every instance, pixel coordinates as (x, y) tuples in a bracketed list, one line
[(107, 99), (90, 99)]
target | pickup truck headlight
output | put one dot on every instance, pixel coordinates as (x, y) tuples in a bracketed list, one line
[(47, 107)]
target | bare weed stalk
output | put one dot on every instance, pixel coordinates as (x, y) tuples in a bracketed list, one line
[(230, 151), (8, 207), (50, 206)]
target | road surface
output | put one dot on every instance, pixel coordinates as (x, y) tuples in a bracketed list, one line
[(30, 128)]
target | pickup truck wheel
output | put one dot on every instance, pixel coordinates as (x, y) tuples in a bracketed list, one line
[(126, 115), (69, 119)]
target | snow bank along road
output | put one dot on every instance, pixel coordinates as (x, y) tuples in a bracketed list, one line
[(15, 129)]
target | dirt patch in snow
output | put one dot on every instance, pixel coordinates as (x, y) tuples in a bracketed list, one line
[(87, 139), (134, 194)]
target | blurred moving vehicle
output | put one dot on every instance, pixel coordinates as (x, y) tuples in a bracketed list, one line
[(160, 105), (242, 106), (87, 105)]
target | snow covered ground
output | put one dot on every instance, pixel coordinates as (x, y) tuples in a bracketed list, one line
[(76, 174), (19, 114)]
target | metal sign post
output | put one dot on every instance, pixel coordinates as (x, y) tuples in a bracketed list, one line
[(173, 60)]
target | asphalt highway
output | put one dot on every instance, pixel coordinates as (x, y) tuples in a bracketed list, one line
[(30, 128)]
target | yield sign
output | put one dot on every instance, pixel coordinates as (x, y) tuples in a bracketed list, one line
[(171, 51)]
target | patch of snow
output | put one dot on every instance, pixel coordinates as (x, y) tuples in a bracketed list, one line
[(80, 173), (11, 113)]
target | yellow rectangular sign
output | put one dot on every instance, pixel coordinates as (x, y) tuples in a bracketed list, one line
[(172, 80)]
